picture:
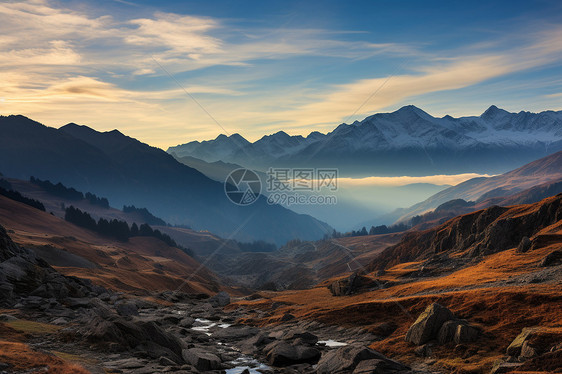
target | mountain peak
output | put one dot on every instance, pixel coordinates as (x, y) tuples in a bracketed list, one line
[(493, 111)]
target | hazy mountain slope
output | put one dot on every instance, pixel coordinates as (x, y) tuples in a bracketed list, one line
[(129, 172), (408, 140), (545, 170), (141, 264)]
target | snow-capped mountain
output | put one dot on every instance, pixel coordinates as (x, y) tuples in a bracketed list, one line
[(407, 141)]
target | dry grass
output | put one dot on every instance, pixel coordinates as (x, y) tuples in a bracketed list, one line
[(31, 327), (21, 357)]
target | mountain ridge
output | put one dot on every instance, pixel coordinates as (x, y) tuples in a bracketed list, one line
[(408, 139)]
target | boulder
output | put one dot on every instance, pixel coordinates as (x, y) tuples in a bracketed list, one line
[(378, 366), (524, 245), (428, 324), (302, 337), (466, 333), (281, 354), (514, 348), (126, 308), (553, 258), (350, 285), (347, 359), (235, 333), (221, 299), (201, 359)]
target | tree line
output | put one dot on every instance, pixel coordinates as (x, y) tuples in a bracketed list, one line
[(374, 230), (115, 228), (69, 193), (7, 191)]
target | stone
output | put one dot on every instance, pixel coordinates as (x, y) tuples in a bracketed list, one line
[(423, 350), (514, 348), (428, 324), (350, 285), (126, 308), (447, 332), (551, 259), (221, 299), (466, 333), (304, 337), (287, 317), (235, 333), (201, 359), (7, 318), (281, 354), (378, 366), (524, 245), (527, 351), (347, 359), (187, 322)]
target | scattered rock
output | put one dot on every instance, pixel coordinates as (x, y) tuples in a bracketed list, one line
[(302, 337), (428, 324), (350, 285)]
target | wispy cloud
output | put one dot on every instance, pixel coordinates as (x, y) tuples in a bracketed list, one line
[(439, 180), (59, 65)]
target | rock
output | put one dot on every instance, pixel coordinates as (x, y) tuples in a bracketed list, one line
[(7, 318), (378, 366), (235, 333), (221, 299), (201, 359), (504, 367), (59, 321), (347, 359), (527, 351), (126, 308), (350, 285), (187, 322), (287, 317), (466, 333), (447, 332), (428, 324), (423, 350), (551, 259), (524, 245), (6, 291), (303, 337), (514, 348), (282, 354), (384, 329), (251, 346)]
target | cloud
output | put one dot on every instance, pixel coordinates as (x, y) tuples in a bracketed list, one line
[(439, 180)]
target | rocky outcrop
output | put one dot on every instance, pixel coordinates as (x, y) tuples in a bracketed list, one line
[(551, 259), (479, 233), (350, 285), (428, 324), (22, 274), (439, 323)]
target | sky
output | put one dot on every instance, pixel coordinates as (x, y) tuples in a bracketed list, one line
[(169, 72)]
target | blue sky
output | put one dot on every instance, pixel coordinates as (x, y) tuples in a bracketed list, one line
[(258, 67)]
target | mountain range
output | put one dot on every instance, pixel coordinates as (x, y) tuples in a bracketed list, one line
[(522, 185), (129, 172), (407, 141)]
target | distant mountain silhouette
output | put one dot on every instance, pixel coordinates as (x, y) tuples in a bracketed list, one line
[(129, 172), (408, 141)]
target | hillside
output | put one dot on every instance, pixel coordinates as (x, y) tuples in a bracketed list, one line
[(139, 265), (129, 172), (479, 266), (544, 171)]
